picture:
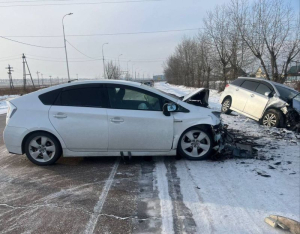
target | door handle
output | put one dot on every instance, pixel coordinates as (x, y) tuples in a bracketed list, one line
[(252, 95), (60, 115), (117, 120)]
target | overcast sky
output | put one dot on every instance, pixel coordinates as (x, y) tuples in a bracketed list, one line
[(147, 52)]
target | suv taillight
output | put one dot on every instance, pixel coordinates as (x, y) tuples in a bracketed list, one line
[(10, 111), (227, 86)]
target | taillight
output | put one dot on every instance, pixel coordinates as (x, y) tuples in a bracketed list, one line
[(227, 86), (10, 111)]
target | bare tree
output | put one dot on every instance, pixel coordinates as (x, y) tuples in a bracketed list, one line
[(268, 28), (112, 71)]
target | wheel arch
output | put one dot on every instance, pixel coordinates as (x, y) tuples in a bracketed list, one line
[(203, 126), (36, 131), (227, 96), (282, 121)]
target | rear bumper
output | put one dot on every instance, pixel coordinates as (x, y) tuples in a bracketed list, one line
[(13, 137)]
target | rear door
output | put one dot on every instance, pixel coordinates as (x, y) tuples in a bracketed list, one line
[(136, 121), (243, 93), (257, 102), (79, 115)]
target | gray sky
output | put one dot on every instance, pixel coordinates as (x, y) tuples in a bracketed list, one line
[(146, 51)]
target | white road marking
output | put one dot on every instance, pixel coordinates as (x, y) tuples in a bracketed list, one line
[(166, 205), (98, 207)]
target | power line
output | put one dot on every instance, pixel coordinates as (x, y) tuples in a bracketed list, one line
[(83, 3), (81, 52), (115, 34), (47, 47)]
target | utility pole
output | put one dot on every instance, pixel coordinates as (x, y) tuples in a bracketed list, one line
[(66, 44), (104, 70), (24, 72), (11, 84), (128, 70), (42, 78), (37, 73)]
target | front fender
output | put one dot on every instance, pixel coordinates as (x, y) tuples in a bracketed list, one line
[(182, 122)]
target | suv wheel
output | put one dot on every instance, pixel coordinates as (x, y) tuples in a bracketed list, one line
[(195, 144), (226, 106), (42, 149), (272, 118)]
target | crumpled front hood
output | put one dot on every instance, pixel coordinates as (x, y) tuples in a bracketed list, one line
[(199, 97)]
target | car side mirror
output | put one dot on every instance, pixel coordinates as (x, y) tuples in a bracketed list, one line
[(168, 108), (268, 94)]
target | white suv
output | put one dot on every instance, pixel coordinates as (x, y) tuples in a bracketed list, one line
[(109, 118), (271, 103)]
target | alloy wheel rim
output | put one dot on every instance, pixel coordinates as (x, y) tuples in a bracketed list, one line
[(226, 105), (269, 120), (195, 143), (42, 149)]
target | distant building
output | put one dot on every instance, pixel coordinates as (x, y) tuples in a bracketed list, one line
[(159, 78), (294, 73)]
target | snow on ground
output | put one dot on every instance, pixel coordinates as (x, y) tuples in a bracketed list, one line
[(235, 195), (3, 105)]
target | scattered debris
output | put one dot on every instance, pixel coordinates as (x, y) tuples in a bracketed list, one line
[(270, 167), (277, 163), (284, 223), (261, 172)]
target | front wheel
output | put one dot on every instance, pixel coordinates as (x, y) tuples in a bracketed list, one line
[(195, 144), (42, 149), (272, 118)]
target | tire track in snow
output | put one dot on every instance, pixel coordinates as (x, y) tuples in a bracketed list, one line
[(166, 205), (98, 207)]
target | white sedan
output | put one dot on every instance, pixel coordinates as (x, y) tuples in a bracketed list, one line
[(110, 118)]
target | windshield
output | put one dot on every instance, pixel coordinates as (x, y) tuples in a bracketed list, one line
[(168, 94), (285, 93)]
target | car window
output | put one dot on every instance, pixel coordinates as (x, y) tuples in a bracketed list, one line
[(250, 85), (262, 89), (237, 82), (49, 97), (81, 97), (133, 99)]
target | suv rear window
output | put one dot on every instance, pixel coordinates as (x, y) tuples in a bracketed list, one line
[(250, 85), (49, 97), (237, 82)]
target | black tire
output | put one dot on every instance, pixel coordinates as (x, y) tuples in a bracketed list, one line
[(206, 155), (226, 104), (272, 118), (50, 142)]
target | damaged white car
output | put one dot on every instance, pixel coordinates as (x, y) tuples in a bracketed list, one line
[(110, 118), (270, 103)]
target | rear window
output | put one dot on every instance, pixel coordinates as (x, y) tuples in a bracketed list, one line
[(237, 82), (250, 85), (49, 97), (81, 97)]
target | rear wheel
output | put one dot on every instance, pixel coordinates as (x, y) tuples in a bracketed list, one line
[(42, 149), (272, 118), (226, 106), (195, 144)]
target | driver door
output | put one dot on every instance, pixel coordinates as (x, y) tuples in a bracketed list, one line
[(136, 121)]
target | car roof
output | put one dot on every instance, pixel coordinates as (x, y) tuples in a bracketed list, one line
[(268, 81), (121, 82)]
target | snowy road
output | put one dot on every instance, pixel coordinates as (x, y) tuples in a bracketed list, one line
[(164, 195)]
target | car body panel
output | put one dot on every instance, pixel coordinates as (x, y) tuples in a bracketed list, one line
[(151, 132), (91, 137)]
